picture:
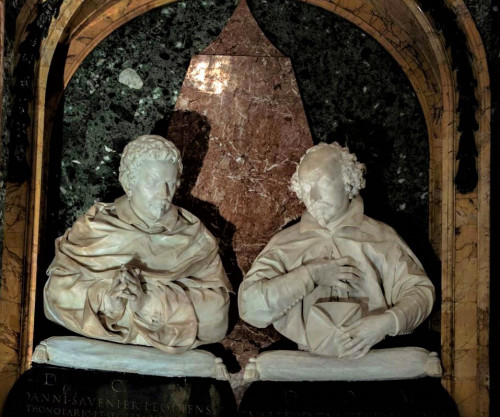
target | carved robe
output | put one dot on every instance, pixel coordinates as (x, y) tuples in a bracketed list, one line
[(180, 269), (279, 290)]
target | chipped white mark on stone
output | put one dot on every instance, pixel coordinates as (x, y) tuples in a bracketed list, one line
[(76, 162), (100, 62), (377, 105), (401, 180), (108, 149), (63, 190), (98, 168), (106, 158), (423, 196), (402, 156), (157, 93), (402, 206), (399, 170), (365, 89), (131, 79)]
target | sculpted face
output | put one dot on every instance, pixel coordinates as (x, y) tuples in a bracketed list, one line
[(154, 189), (322, 186)]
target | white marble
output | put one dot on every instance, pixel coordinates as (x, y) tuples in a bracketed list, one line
[(377, 365), (337, 282), (141, 270), (84, 353)]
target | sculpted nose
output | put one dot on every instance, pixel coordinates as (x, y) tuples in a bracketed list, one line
[(162, 191), (315, 194)]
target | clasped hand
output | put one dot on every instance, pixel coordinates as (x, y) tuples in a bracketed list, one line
[(341, 273), (126, 286), (357, 339)]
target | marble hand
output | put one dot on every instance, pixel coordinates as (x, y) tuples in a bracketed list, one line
[(359, 337), (113, 300), (341, 273), (134, 293)]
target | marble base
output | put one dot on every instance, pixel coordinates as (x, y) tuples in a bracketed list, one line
[(48, 391), (83, 353), (377, 365), (424, 397)]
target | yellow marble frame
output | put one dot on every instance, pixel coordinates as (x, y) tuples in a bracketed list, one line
[(458, 224)]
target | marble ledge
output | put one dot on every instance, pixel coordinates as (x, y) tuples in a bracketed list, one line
[(465, 323)]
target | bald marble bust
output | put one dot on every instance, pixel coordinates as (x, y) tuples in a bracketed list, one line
[(338, 282), (141, 270)]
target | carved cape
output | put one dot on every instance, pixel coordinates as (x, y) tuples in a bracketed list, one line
[(181, 269)]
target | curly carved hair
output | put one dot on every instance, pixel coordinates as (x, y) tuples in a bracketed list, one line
[(142, 148), (352, 170)]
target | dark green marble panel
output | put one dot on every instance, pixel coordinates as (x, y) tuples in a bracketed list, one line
[(353, 92)]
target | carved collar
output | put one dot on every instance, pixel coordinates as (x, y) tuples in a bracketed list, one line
[(126, 213), (352, 217)]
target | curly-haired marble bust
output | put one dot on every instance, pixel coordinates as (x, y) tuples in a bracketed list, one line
[(140, 270), (338, 282)]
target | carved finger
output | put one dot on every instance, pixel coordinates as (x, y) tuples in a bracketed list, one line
[(128, 296), (352, 271), (352, 347), (361, 353), (347, 344), (128, 277), (352, 328), (343, 285), (343, 337), (347, 276)]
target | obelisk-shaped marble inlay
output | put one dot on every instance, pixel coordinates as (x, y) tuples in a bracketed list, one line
[(246, 92)]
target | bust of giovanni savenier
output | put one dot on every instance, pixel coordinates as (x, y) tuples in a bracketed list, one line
[(140, 270)]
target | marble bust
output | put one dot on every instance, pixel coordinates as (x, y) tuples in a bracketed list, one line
[(140, 270), (338, 282)]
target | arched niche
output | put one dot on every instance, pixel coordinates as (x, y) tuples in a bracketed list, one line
[(458, 223)]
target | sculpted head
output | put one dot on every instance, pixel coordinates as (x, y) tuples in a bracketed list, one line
[(150, 171), (327, 178)]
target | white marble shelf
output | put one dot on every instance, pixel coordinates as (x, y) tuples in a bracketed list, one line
[(377, 365), (83, 353)]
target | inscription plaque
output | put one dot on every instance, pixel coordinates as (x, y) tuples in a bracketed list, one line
[(50, 391), (408, 398)]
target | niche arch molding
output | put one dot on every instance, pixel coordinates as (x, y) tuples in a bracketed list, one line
[(458, 223)]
